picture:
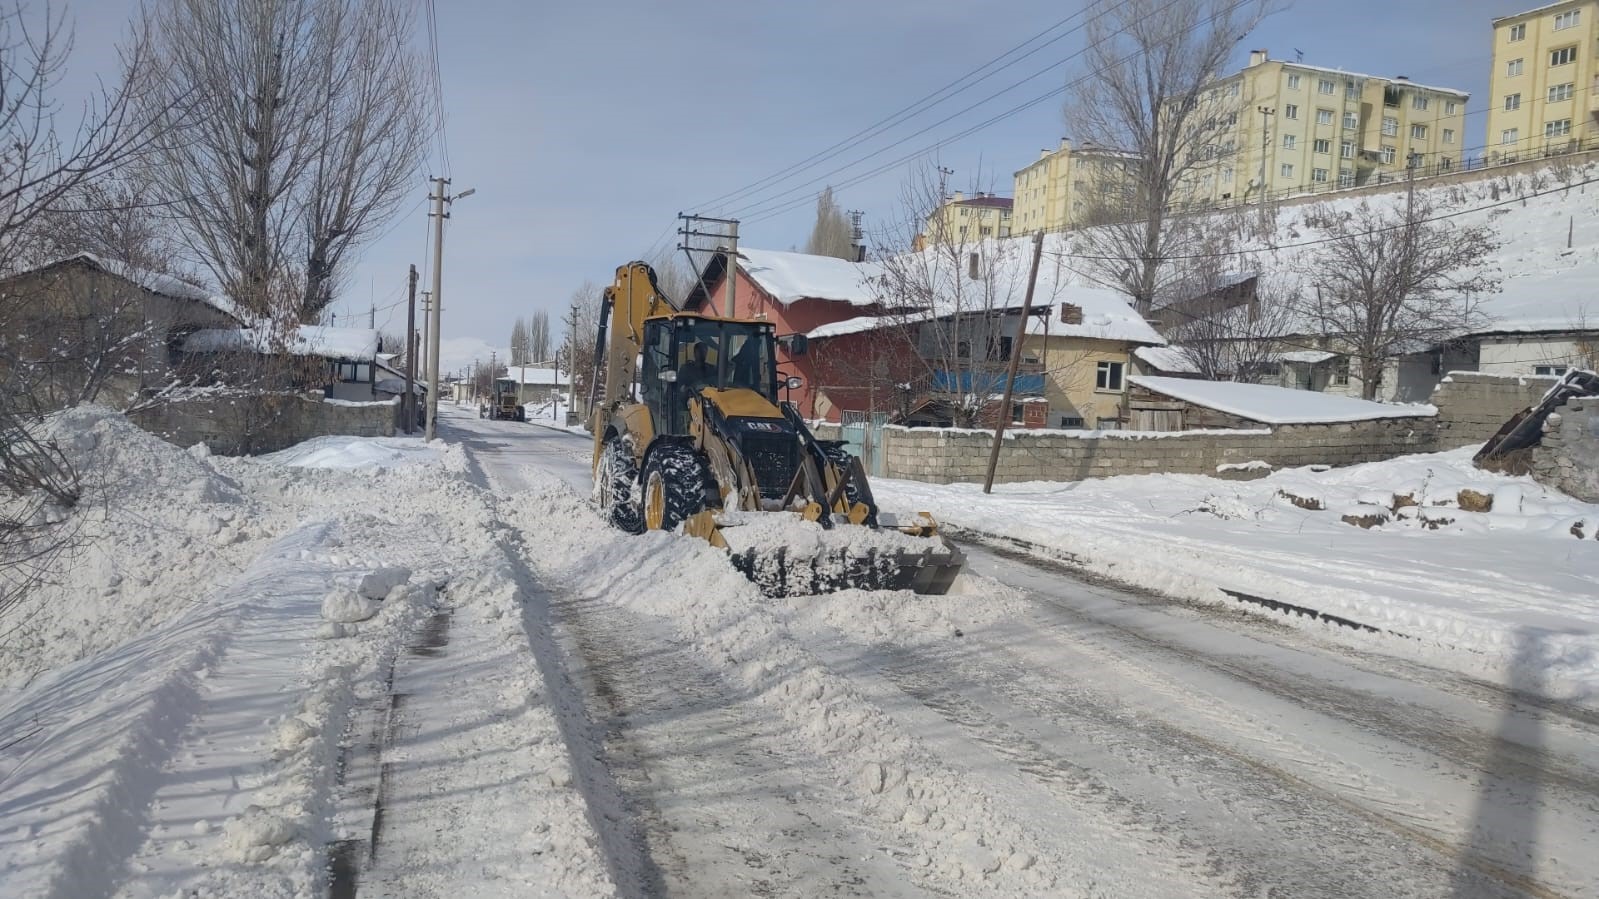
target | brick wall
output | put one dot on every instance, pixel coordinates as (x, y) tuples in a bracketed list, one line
[(1568, 459), (1472, 407), (246, 424)]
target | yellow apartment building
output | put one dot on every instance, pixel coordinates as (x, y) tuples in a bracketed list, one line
[(1543, 94), (1288, 127), (962, 220), (1064, 187)]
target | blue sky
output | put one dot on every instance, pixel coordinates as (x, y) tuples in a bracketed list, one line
[(585, 127)]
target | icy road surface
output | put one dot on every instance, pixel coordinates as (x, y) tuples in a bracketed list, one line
[(1039, 735)]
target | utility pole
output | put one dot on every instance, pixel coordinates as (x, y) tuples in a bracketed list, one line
[(690, 230), (408, 405), (1266, 112), (372, 317), (1015, 360), (439, 198), (732, 269), (571, 376)]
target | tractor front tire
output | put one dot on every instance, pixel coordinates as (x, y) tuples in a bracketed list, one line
[(615, 488), (675, 479)]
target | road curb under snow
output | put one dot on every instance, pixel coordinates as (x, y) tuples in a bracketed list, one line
[(1081, 568)]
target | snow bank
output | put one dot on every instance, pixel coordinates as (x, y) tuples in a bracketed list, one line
[(355, 453), (155, 530), (1424, 546)]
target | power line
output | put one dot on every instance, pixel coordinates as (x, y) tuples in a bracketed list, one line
[(438, 84), (774, 206), (911, 110)]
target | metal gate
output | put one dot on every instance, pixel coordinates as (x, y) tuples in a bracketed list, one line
[(863, 436)]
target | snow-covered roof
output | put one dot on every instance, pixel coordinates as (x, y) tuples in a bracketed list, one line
[(305, 340), (1166, 358), (1308, 356), (862, 323), (1276, 405), (1345, 73), (155, 282), (1106, 316), (533, 375), (789, 277)]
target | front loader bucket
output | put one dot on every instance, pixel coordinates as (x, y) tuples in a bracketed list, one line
[(778, 572)]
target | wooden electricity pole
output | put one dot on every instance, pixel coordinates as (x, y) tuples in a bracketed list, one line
[(408, 405), (1015, 360)]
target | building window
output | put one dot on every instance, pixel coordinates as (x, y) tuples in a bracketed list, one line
[(1514, 67), (1557, 128), (1518, 32), (1567, 19), (1109, 376), (1232, 118), (1561, 92), (1287, 170), (986, 230), (1550, 370), (1512, 101), (1418, 132), (1293, 82), (1319, 175), (1324, 117), (1510, 136), (1340, 372), (1351, 121), (1321, 145), (1388, 154), (1290, 111), (1346, 149), (1324, 86), (1351, 90), (1232, 89), (1563, 56), (1450, 107), (1346, 177), (1390, 126), (1449, 135), (1068, 421), (355, 372), (1227, 173), (1290, 141), (1419, 102)]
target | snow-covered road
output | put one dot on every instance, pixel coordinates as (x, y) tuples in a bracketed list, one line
[(1038, 734)]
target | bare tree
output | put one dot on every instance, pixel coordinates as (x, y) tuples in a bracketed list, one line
[(43, 165), (1392, 280), (582, 329), (538, 338), (298, 126), (946, 302), (519, 343), (832, 234), (1151, 63), (673, 274)]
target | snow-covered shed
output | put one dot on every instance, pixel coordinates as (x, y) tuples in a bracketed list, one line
[(534, 383), (129, 321), (1182, 404), (342, 362)]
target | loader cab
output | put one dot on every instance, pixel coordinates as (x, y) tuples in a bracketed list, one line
[(684, 354)]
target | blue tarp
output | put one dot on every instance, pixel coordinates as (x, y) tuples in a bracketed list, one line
[(984, 382)]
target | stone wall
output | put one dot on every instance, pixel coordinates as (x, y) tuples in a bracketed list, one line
[(247, 424), (1568, 459), (1472, 407), (944, 456)]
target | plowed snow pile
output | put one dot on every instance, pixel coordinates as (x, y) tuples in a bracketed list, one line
[(1426, 546), (156, 528)]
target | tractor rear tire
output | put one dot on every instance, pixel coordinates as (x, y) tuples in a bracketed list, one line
[(615, 488), (675, 479)]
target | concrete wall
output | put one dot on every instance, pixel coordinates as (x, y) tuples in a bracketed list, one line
[(1568, 460), (1472, 406), (948, 455), (247, 424)]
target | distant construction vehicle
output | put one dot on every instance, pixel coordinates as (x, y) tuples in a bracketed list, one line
[(503, 407), (690, 432)]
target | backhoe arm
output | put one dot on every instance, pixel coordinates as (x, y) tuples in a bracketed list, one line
[(633, 297)]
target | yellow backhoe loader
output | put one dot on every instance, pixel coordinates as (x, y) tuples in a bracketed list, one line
[(689, 432)]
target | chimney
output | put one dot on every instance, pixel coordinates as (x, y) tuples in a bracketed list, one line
[(1044, 154), (1401, 77), (1070, 314), (1256, 57)]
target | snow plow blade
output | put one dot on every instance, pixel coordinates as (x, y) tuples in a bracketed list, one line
[(780, 572)]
